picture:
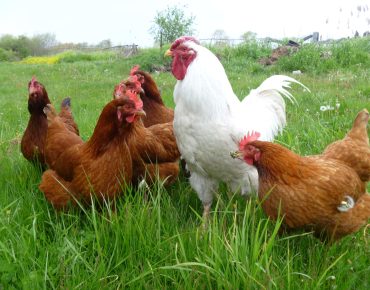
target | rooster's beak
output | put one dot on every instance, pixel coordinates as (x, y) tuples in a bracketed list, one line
[(236, 155), (168, 53)]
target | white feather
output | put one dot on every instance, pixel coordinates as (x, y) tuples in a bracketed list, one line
[(209, 119), (347, 204)]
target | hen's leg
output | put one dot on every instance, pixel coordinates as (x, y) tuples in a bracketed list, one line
[(205, 188)]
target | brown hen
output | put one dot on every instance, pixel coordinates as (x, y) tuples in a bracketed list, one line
[(33, 140), (101, 167), (314, 192), (153, 105), (153, 149)]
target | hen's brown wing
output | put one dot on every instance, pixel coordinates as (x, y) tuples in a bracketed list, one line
[(57, 191), (158, 144)]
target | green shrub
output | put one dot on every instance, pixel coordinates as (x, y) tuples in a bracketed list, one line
[(307, 58), (352, 52), (243, 57), (75, 56), (320, 58), (150, 59), (247, 50), (7, 55)]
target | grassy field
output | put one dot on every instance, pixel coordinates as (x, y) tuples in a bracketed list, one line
[(157, 243)]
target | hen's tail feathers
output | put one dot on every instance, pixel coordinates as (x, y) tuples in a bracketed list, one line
[(351, 220), (57, 191), (279, 83), (358, 131), (66, 115), (66, 103)]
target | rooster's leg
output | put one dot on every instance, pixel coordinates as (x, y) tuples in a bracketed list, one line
[(206, 213), (205, 188), (206, 210)]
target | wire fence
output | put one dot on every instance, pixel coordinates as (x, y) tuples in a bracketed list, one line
[(121, 50), (273, 42)]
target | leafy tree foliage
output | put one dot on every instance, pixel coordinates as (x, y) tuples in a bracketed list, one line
[(249, 36), (170, 24), (106, 43), (220, 38), (19, 47)]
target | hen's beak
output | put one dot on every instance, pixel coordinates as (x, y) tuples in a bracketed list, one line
[(168, 53), (140, 113), (236, 155)]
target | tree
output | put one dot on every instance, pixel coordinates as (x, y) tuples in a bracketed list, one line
[(23, 46), (106, 43), (170, 24), (220, 37), (41, 44), (249, 36)]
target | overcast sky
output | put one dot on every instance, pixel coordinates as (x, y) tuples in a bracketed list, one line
[(126, 22)]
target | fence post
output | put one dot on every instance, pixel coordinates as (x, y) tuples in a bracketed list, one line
[(315, 37)]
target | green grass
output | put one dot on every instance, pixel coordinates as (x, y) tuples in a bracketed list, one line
[(156, 243)]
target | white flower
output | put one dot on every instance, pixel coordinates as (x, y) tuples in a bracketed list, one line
[(326, 108)]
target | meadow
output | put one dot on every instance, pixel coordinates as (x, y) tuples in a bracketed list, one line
[(157, 242)]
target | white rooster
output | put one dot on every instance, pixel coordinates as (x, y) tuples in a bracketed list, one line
[(210, 119)]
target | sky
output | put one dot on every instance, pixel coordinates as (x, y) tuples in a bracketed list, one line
[(127, 22)]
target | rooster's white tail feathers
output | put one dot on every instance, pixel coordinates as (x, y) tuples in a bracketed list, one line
[(279, 83), (264, 107)]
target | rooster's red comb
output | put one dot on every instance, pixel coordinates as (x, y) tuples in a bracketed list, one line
[(182, 39), (248, 138)]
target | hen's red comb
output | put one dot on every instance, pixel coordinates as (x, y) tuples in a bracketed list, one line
[(135, 83), (248, 138), (135, 98), (120, 90), (134, 69), (33, 80)]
